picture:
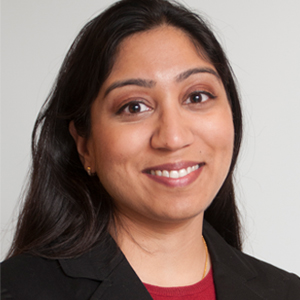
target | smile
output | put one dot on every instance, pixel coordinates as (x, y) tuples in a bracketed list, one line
[(175, 173), (178, 174)]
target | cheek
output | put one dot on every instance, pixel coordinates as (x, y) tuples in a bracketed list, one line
[(219, 136), (117, 147), (118, 153), (218, 150)]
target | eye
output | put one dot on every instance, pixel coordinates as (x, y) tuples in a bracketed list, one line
[(199, 97), (133, 107)]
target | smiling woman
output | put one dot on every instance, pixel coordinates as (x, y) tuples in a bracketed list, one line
[(131, 193), (168, 130)]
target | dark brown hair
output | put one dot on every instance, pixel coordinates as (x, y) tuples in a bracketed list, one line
[(65, 211)]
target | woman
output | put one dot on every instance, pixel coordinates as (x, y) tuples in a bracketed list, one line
[(131, 192)]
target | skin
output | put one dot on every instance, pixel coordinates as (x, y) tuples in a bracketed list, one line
[(138, 128)]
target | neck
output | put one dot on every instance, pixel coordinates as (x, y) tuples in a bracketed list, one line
[(163, 254)]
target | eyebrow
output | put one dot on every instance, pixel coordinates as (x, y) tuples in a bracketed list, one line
[(151, 83), (193, 71), (139, 82)]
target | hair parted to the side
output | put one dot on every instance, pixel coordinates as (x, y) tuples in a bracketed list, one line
[(65, 211)]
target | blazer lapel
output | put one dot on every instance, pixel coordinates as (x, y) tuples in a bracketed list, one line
[(114, 279), (122, 283), (106, 264), (231, 285), (234, 275)]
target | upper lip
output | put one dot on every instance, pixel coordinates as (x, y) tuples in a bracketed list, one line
[(173, 166)]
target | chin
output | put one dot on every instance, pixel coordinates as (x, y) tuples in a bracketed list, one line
[(179, 212)]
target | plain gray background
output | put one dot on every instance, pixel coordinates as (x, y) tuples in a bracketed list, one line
[(262, 40)]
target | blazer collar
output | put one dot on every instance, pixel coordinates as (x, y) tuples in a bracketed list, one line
[(234, 276), (107, 264), (223, 254), (96, 264)]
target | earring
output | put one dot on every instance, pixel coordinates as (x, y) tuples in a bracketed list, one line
[(88, 169)]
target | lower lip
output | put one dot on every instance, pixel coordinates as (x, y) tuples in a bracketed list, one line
[(177, 182)]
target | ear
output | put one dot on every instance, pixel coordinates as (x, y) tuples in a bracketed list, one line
[(83, 147)]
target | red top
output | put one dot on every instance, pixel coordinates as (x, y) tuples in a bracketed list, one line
[(204, 290)]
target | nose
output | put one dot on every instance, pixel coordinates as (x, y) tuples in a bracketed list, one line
[(173, 130)]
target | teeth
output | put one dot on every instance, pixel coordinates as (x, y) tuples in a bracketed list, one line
[(175, 173), (165, 173), (158, 173), (194, 168), (183, 172)]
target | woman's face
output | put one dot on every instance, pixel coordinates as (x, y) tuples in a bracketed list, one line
[(162, 133)]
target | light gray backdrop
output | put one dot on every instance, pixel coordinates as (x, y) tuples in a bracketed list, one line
[(262, 40)]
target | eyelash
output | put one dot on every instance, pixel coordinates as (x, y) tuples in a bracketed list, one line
[(141, 103), (197, 93), (127, 106)]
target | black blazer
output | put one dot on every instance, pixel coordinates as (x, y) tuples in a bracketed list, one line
[(104, 273)]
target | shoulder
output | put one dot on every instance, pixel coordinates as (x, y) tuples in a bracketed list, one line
[(263, 267), (245, 276), (101, 273), (26, 269), (266, 269), (31, 277), (271, 282), (270, 274)]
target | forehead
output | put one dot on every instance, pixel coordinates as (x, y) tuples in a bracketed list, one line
[(164, 47)]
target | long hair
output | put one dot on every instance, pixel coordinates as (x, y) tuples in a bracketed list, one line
[(65, 211)]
